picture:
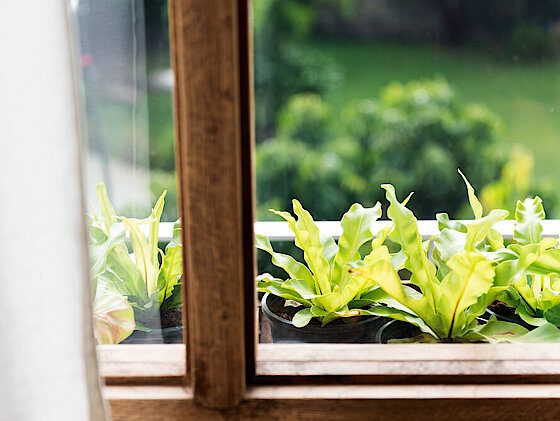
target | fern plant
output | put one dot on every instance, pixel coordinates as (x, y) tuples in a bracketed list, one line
[(149, 278), (452, 281), (323, 284)]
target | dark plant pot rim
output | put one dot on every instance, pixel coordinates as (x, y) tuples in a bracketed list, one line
[(162, 330), (170, 329), (518, 321), (270, 314), (142, 337), (392, 324)]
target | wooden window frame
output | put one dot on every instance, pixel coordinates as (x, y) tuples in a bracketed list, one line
[(211, 56)]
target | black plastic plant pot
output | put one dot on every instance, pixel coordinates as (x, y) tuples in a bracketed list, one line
[(515, 319), (346, 331), (169, 335), (396, 329)]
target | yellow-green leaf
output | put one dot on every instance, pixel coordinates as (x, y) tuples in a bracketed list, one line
[(293, 268), (171, 269), (308, 239), (302, 317), (384, 274), (107, 211), (477, 230), (406, 234), (356, 230), (528, 217), (143, 255), (473, 200), (471, 276)]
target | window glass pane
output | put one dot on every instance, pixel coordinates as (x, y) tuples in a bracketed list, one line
[(129, 171), (351, 94)]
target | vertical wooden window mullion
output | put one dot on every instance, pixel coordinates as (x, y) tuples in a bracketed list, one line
[(211, 58)]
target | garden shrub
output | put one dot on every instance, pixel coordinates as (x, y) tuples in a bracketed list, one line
[(306, 118), (415, 136), (290, 168), (282, 66)]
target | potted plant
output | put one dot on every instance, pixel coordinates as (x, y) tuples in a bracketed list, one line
[(535, 297), (533, 262), (452, 281), (149, 283), (113, 317), (318, 301)]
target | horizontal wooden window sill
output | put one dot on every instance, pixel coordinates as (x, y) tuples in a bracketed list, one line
[(154, 362), (359, 363), (408, 359), (142, 364), (488, 402)]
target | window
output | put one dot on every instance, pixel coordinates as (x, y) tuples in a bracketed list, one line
[(355, 94), (127, 120), (350, 96), (213, 109)]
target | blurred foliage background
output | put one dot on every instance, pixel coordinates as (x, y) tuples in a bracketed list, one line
[(350, 94), (414, 136)]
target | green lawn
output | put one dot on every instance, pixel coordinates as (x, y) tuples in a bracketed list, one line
[(527, 97)]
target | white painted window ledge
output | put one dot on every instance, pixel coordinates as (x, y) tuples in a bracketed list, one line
[(279, 231)]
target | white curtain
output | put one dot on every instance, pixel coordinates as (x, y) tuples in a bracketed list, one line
[(47, 356)]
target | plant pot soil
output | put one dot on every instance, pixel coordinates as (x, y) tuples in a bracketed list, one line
[(396, 329), (170, 332), (505, 314), (343, 330)]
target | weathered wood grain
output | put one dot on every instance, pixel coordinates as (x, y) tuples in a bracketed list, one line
[(142, 364), (212, 113), (496, 402), (409, 359), (211, 57)]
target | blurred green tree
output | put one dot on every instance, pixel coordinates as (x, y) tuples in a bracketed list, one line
[(283, 67), (414, 136)]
